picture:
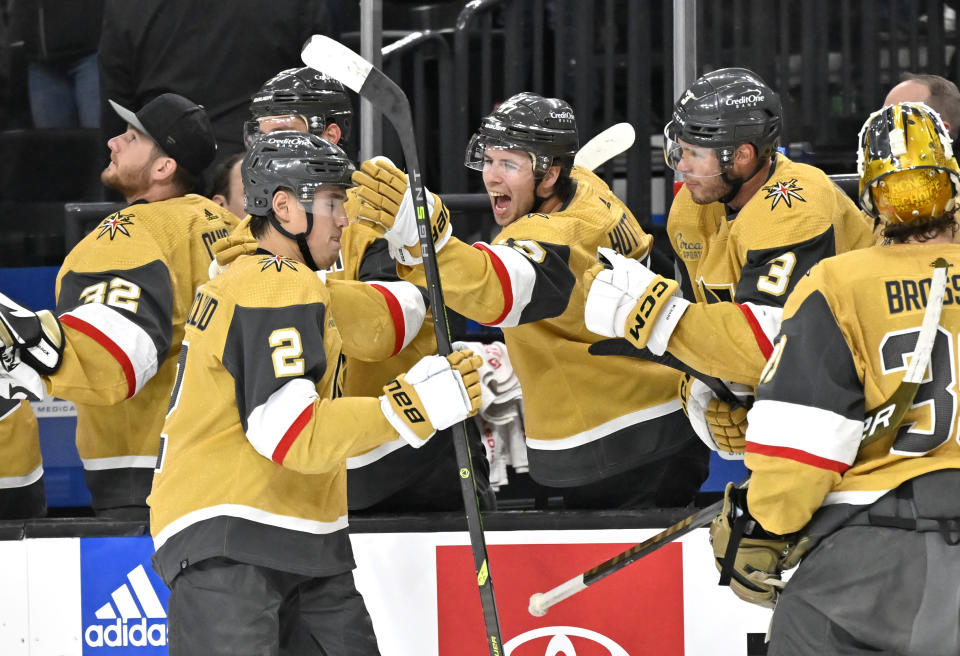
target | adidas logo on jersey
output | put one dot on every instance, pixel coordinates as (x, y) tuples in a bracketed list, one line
[(126, 619)]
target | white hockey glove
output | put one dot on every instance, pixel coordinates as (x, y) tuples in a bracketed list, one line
[(37, 337), (17, 380), (719, 426), (626, 299), (387, 206), (436, 393)]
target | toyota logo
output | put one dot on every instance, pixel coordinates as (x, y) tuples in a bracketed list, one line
[(560, 643)]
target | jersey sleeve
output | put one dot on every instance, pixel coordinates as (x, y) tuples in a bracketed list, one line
[(512, 282), (806, 425), (118, 327), (377, 319), (277, 358)]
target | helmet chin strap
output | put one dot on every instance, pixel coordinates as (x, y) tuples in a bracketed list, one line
[(301, 239), (736, 184)]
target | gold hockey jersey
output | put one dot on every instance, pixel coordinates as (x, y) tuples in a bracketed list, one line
[(123, 295), (586, 417), (255, 441), (364, 257), (795, 220), (21, 463), (848, 331)]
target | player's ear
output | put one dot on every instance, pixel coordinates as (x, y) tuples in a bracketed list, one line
[(545, 188), (744, 153), (162, 169), (332, 133), (281, 205)]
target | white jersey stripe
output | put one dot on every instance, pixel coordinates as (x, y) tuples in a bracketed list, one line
[(7, 482), (270, 421), (598, 432), (409, 300), (127, 335), (818, 432), (374, 455), (522, 277), (119, 462), (252, 514)]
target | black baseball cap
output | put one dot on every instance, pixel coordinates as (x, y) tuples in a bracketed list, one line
[(179, 126)]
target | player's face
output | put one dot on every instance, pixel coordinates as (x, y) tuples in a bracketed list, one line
[(131, 155), (329, 220), (508, 177), (235, 200), (700, 168)]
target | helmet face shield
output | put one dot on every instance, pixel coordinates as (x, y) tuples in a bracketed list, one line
[(475, 154), (255, 127), (687, 159)]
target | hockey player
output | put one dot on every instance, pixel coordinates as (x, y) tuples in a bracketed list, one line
[(249, 505), (885, 513), (603, 435), (22, 494), (747, 224), (392, 477), (123, 295)]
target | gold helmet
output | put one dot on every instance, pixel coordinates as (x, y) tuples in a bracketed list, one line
[(906, 165)]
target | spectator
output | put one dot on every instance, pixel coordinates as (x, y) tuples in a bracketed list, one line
[(214, 53), (938, 93), (60, 41), (227, 190)]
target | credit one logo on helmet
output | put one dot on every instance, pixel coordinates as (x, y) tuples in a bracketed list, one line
[(123, 604), (748, 99)]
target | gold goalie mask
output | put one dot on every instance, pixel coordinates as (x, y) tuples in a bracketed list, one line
[(907, 169)]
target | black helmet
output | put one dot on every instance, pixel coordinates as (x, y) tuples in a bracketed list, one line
[(722, 110), (544, 127), (291, 160), (319, 99)]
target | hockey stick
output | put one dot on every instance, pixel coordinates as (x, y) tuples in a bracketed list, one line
[(333, 58), (541, 602), (891, 412), (605, 146)]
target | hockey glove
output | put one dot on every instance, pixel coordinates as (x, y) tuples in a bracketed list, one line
[(37, 337), (626, 299), (17, 380), (748, 558), (436, 393), (728, 425), (387, 205), (226, 250), (716, 423)]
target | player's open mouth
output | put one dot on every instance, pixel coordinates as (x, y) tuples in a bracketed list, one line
[(500, 202)]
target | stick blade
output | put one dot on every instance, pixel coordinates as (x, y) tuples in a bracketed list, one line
[(332, 58), (605, 146)]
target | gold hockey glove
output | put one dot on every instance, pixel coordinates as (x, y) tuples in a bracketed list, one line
[(386, 205), (436, 393), (753, 562), (728, 425)]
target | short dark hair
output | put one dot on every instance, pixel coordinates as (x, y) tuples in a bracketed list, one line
[(921, 231), (221, 177), (184, 181), (944, 98)]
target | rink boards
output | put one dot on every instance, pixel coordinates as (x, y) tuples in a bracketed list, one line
[(72, 596)]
